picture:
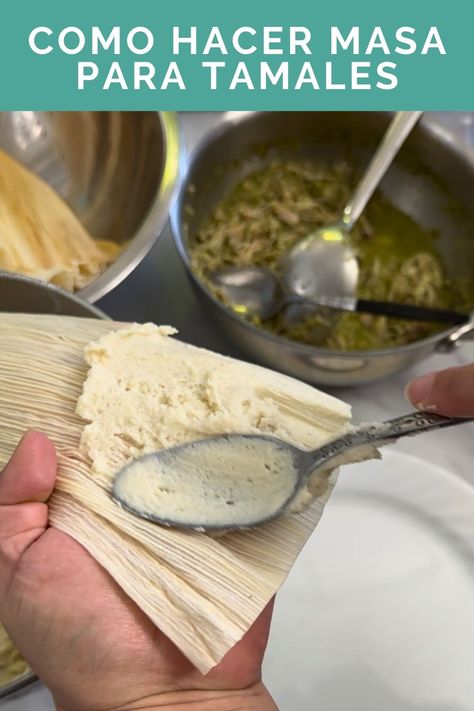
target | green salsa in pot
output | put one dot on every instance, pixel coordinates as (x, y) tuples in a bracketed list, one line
[(267, 212)]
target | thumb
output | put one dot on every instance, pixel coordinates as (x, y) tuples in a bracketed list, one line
[(448, 392), (31, 472), (26, 481)]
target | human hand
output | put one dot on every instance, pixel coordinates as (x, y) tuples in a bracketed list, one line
[(88, 642), (448, 392)]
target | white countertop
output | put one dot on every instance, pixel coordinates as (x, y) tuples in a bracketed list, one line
[(159, 291)]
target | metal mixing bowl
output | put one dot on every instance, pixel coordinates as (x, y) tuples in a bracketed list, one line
[(432, 180), (117, 170), (21, 294)]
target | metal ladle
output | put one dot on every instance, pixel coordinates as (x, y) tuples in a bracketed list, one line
[(258, 293), (324, 263), (215, 474)]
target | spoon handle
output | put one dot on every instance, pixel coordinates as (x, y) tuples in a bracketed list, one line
[(349, 446), (408, 311), (382, 308), (400, 127)]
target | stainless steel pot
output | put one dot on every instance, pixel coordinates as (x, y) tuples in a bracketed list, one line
[(432, 180), (117, 170), (21, 294)]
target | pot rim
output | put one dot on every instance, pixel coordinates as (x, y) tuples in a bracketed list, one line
[(22, 682)]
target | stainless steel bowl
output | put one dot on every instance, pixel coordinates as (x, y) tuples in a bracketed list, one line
[(21, 294), (117, 170), (432, 180)]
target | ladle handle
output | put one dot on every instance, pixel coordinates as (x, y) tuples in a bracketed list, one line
[(395, 136)]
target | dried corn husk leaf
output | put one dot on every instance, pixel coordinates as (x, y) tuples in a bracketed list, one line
[(40, 236), (12, 665), (203, 592)]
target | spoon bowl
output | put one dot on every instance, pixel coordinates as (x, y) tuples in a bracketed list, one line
[(252, 291), (237, 481), (322, 266)]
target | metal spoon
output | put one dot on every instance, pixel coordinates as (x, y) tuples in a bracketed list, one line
[(324, 263), (257, 292), (246, 480)]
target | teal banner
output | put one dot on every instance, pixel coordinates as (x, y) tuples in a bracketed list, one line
[(248, 55)]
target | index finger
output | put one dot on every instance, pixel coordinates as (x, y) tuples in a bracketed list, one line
[(448, 392)]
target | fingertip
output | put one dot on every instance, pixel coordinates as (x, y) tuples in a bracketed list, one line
[(448, 392), (419, 391)]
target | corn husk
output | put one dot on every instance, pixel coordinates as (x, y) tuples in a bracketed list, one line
[(202, 592), (40, 236), (12, 665)]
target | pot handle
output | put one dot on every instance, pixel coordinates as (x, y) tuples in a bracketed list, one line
[(463, 333)]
